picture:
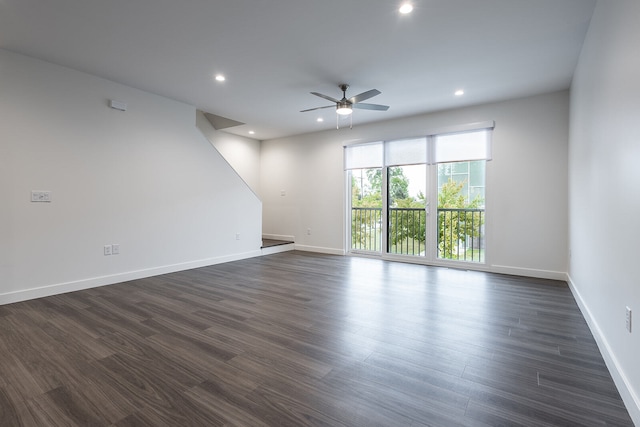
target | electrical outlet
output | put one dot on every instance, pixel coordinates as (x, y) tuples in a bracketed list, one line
[(107, 249), (115, 249), (628, 319), (308, 232), (237, 236)]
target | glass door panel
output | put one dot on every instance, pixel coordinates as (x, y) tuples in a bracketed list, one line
[(461, 213), (406, 210), (366, 210)]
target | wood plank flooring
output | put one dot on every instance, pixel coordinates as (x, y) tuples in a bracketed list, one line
[(298, 339)]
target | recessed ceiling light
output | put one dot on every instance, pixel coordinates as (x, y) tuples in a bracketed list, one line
[(251, 132), (319, 120), (220, 78), (406, 8), (459, 92)]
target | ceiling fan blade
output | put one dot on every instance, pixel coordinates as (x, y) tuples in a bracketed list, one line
[(378, 107), (364, 96), (327, 97), (317, 108)]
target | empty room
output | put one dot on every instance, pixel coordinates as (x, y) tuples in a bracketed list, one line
[(291, 213)]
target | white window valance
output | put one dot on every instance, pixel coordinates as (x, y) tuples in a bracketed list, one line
[(363, 156), (457, 144)]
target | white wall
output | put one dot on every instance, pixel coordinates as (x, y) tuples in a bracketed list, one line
[(308, 169), (146, 179), (526, 181), (604, 181), (243, 154)]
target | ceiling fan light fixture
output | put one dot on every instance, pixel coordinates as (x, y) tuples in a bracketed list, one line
[(344, 108)]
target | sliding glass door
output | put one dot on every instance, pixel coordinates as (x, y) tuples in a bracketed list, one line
[(406, 210), (366, 210), (461, 214), (422, 198)]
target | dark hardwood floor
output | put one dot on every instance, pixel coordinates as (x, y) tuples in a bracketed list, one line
[(297, 339)]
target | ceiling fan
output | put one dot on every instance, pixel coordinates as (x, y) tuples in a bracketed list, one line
[(344, 106)]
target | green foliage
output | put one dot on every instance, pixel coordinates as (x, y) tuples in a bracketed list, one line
[(369, 193), (406, 223), (407, 215), (366, 193), (450, 196), (455, 227), (398, 185)]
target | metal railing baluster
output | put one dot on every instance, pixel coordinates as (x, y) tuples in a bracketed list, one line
[(460, 236)]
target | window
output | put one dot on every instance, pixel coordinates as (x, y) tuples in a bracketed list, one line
[(394, 184)]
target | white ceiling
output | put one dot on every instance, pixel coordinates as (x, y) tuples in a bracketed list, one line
[(274, 52)]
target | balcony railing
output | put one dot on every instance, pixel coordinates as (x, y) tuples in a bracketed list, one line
[(460, 232), (366, 229), (407, 231)]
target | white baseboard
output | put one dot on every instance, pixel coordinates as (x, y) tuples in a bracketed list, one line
[(625, 388), (320, 250), (78, 285), (529, 272), (277, 249)]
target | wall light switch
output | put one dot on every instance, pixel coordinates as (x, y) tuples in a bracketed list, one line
[(115, 249)]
